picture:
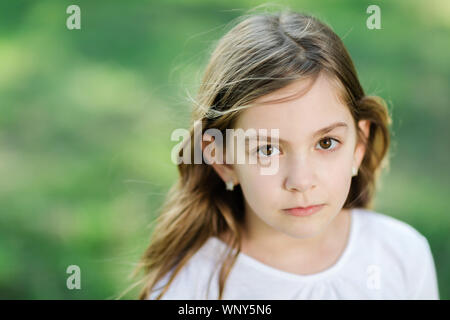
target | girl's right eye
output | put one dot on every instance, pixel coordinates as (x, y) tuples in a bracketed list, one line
[(265, 150)]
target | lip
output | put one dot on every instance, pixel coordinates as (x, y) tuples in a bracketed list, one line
[(303, 211)]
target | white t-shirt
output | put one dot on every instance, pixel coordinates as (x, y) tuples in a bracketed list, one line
[(385, 258)]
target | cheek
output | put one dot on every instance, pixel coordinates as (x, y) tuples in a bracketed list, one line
[(335, 173), (335, 169), (258, 189)]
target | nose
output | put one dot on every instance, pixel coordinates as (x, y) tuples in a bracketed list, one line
[(300, 175)]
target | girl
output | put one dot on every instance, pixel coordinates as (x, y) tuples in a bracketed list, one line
[(307, 230)]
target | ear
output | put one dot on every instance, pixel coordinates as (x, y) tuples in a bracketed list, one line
[(211, 152), (360, 148)]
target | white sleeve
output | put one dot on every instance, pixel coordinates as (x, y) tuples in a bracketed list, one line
[(158, 287), (178, 289), (185, 286), (426, 286)]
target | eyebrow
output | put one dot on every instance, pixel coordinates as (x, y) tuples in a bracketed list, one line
[(319, 132)]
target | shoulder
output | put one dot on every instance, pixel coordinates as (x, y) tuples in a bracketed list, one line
[(389, 229), (194, 278), (399, 246), (391, 236)]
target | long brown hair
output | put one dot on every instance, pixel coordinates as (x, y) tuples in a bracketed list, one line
[(262, 53)]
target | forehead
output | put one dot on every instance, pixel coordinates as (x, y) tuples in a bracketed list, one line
[(317, 107)]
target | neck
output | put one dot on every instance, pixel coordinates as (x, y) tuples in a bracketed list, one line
[(262, 241)]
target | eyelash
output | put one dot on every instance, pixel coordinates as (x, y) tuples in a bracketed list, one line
[(325, 138)]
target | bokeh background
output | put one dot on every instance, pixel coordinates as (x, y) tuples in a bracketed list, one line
[(86, 117)]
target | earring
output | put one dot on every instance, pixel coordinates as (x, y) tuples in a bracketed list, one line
[(354, 171), (230, 185)]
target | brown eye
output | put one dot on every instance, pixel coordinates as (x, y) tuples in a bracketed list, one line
[(266, 150), (327, 142)]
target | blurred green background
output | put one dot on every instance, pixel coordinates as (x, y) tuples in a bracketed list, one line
[(86, 117)]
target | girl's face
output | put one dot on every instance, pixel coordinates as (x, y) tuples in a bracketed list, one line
[(313, 167)]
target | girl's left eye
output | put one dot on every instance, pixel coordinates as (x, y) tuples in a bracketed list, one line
[(265, 149), (327, 143)]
